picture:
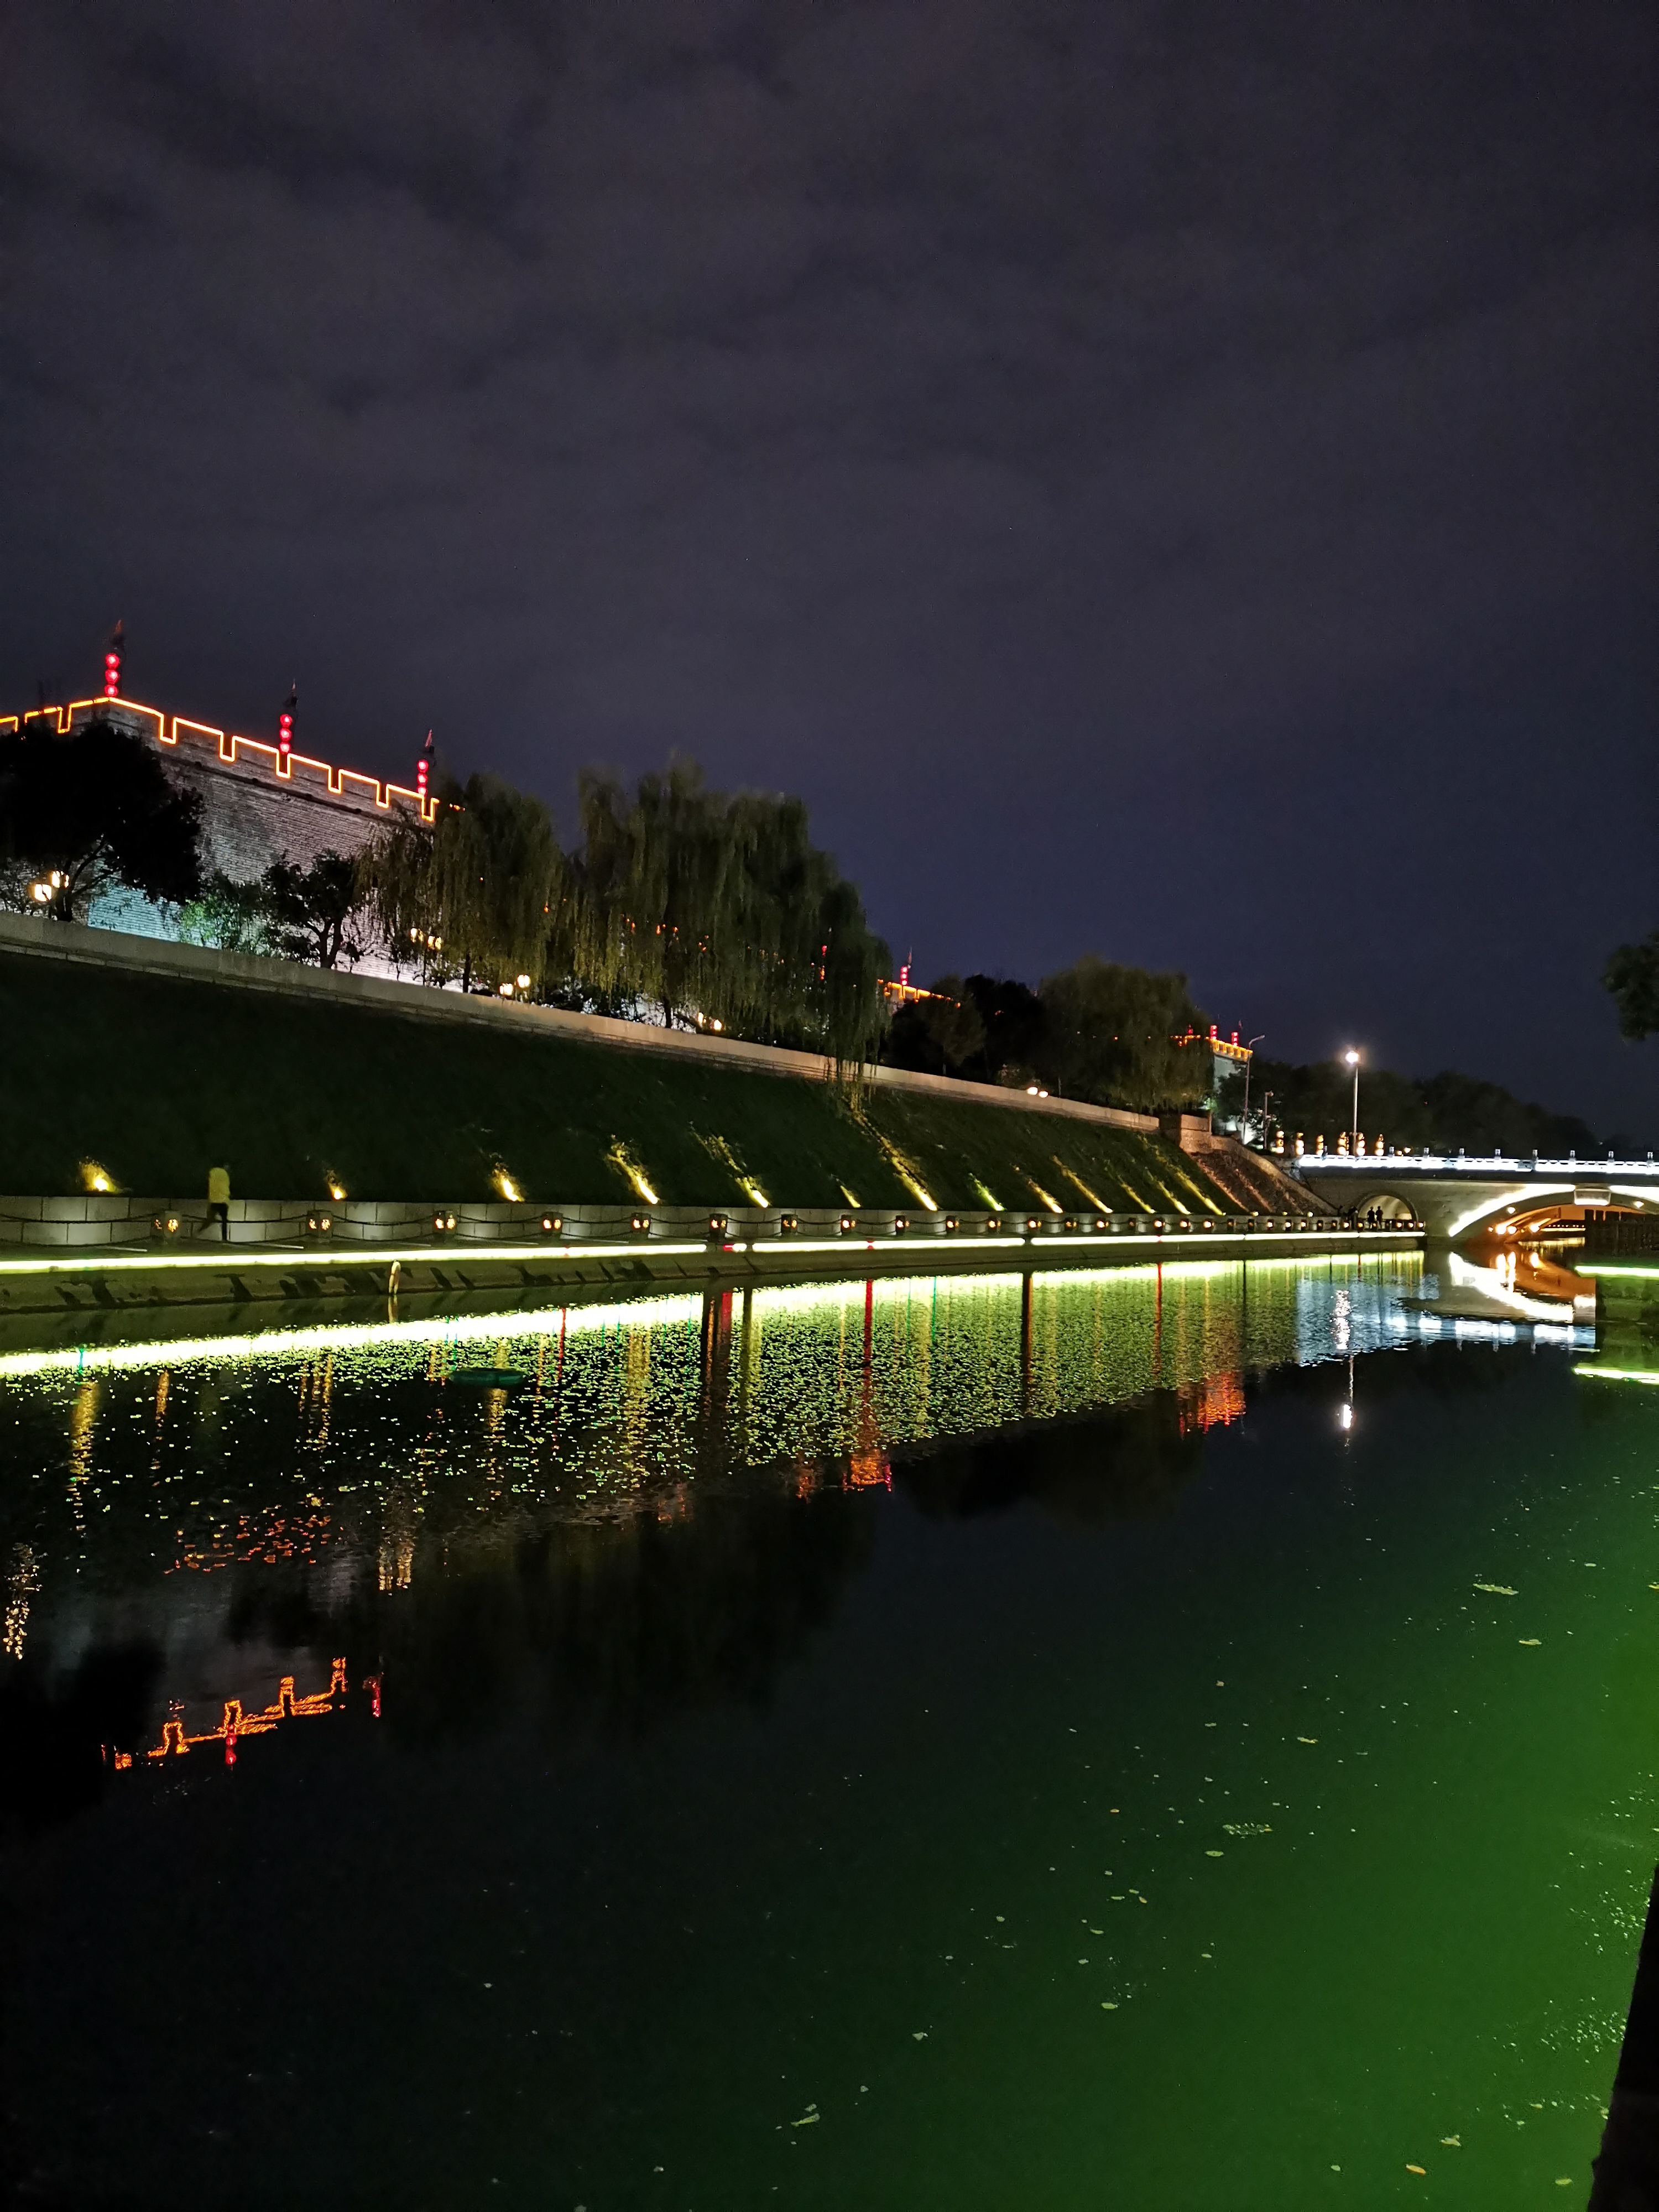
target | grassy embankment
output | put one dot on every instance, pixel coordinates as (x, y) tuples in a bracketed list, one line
[(155, 1079)]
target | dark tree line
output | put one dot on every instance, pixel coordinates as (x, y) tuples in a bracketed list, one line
[(1097, 1030), (1437, 1113)]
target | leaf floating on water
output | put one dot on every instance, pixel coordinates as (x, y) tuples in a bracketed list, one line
[(919, 2035), (1247, 1828), (1410, 2168), (1498, 1590), (807, 2120), (1307, 1739), (1452, 2143), (1107, 2005), (1213, 1854), (1532, 1642)]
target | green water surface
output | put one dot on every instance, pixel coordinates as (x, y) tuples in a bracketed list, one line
[(994, 1742)]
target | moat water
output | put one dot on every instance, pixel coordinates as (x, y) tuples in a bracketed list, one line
[(1156, 1737)]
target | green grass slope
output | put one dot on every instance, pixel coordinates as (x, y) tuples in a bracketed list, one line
[(156, 1079)]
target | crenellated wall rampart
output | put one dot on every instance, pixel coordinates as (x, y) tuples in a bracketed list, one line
[(256, 808)]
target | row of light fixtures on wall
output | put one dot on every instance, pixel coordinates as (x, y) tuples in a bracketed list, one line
[(446, 1223)]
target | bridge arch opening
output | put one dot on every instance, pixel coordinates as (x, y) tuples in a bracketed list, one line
[(1384, 1205), (1563, 1216)]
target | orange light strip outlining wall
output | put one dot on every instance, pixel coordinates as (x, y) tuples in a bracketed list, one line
[(167, 730), (238, 1722)]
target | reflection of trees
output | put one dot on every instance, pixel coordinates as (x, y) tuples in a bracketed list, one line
[(611, 1629), (1442, 1370), (53, 1732), (1121, 1465)]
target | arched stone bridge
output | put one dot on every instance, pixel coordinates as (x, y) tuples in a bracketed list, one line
[(1461, 1197)]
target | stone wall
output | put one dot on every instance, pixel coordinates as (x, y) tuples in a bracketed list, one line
[(252, 814)]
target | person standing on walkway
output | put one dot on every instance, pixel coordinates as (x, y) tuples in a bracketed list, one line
[(219, 1200)]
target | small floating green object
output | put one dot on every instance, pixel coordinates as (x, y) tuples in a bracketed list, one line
[(488, 1378)]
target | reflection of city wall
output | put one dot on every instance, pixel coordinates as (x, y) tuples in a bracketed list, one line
[(238, 1720)]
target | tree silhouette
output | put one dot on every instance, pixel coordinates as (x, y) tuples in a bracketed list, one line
[(316, 913), (1110, 1032), (80, 812)]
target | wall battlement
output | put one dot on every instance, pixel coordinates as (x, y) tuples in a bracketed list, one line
[(256, 808)]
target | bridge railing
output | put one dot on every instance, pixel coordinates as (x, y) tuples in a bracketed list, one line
[(1593, 1169)]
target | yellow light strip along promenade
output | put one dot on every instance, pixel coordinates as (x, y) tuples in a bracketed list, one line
[(221, 1256), (645, 1310)]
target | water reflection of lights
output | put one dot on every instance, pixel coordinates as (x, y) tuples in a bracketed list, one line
[(238, 1722), (1497, 1283), (634, 1312), (280, 1343), (1345, 1416), (320, 1449), (21, 1586), (1214, 1403)]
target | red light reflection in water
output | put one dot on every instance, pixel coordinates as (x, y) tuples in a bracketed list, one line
[(238, 1722), (1215, 1402)]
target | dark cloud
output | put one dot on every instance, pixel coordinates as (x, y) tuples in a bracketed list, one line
[(1172, 480)]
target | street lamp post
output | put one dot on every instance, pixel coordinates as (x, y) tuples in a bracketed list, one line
[(1244, 1119), (1350, 1059)]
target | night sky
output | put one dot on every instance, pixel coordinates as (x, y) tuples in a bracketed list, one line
[(1171, 481)]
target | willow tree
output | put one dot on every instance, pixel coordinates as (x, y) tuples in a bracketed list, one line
[(1109, 1034), (471, 894), (718, 908)]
